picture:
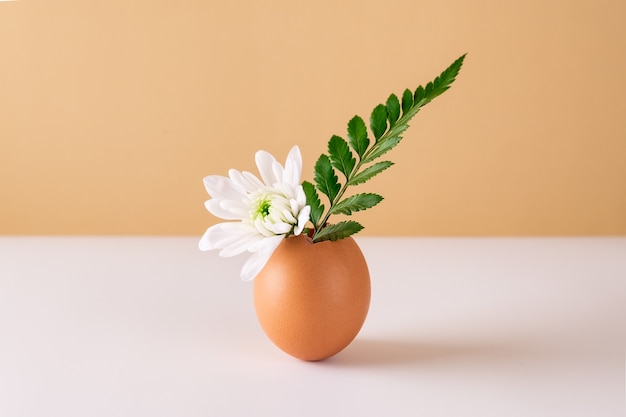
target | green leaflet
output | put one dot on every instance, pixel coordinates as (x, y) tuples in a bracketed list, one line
[(340, 155), (357, 134), (369, 172), (337, 231), (378, 120), (387, 124), (407, 101), (356, 202), (325, 178), (443, 82), (313, 200), (419, 94), (393, 109)]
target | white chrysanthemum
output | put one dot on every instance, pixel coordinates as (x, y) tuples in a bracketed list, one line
[(267, 210)]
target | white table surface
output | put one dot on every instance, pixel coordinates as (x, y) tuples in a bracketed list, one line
[(457, 327)]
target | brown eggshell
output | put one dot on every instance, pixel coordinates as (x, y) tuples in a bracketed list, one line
[(311, 299)]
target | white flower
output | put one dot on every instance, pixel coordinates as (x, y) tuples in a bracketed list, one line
[(267, 210)]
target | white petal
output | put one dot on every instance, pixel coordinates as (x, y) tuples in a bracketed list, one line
[(293, 205), (246, 180), (279, 228), (238, 227), (264, 162), (223, 188), (238, 208), (288, 217), (212, 235), (253, 266), (278, 171), (266, 243), (286, 190), (293, 167), (257, 261), (216, 208), (224, 235), (229, 236), (253, 180), (260, 226), (300, 196), (303, 218), (241, 245)]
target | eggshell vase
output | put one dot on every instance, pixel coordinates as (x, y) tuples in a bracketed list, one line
[(311, 299)]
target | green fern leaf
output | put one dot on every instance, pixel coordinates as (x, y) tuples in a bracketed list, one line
[(387, 126)]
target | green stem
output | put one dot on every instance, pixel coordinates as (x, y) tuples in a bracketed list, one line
[(342, 190)]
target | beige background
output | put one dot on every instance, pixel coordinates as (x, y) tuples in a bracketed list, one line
[(112, 112)]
